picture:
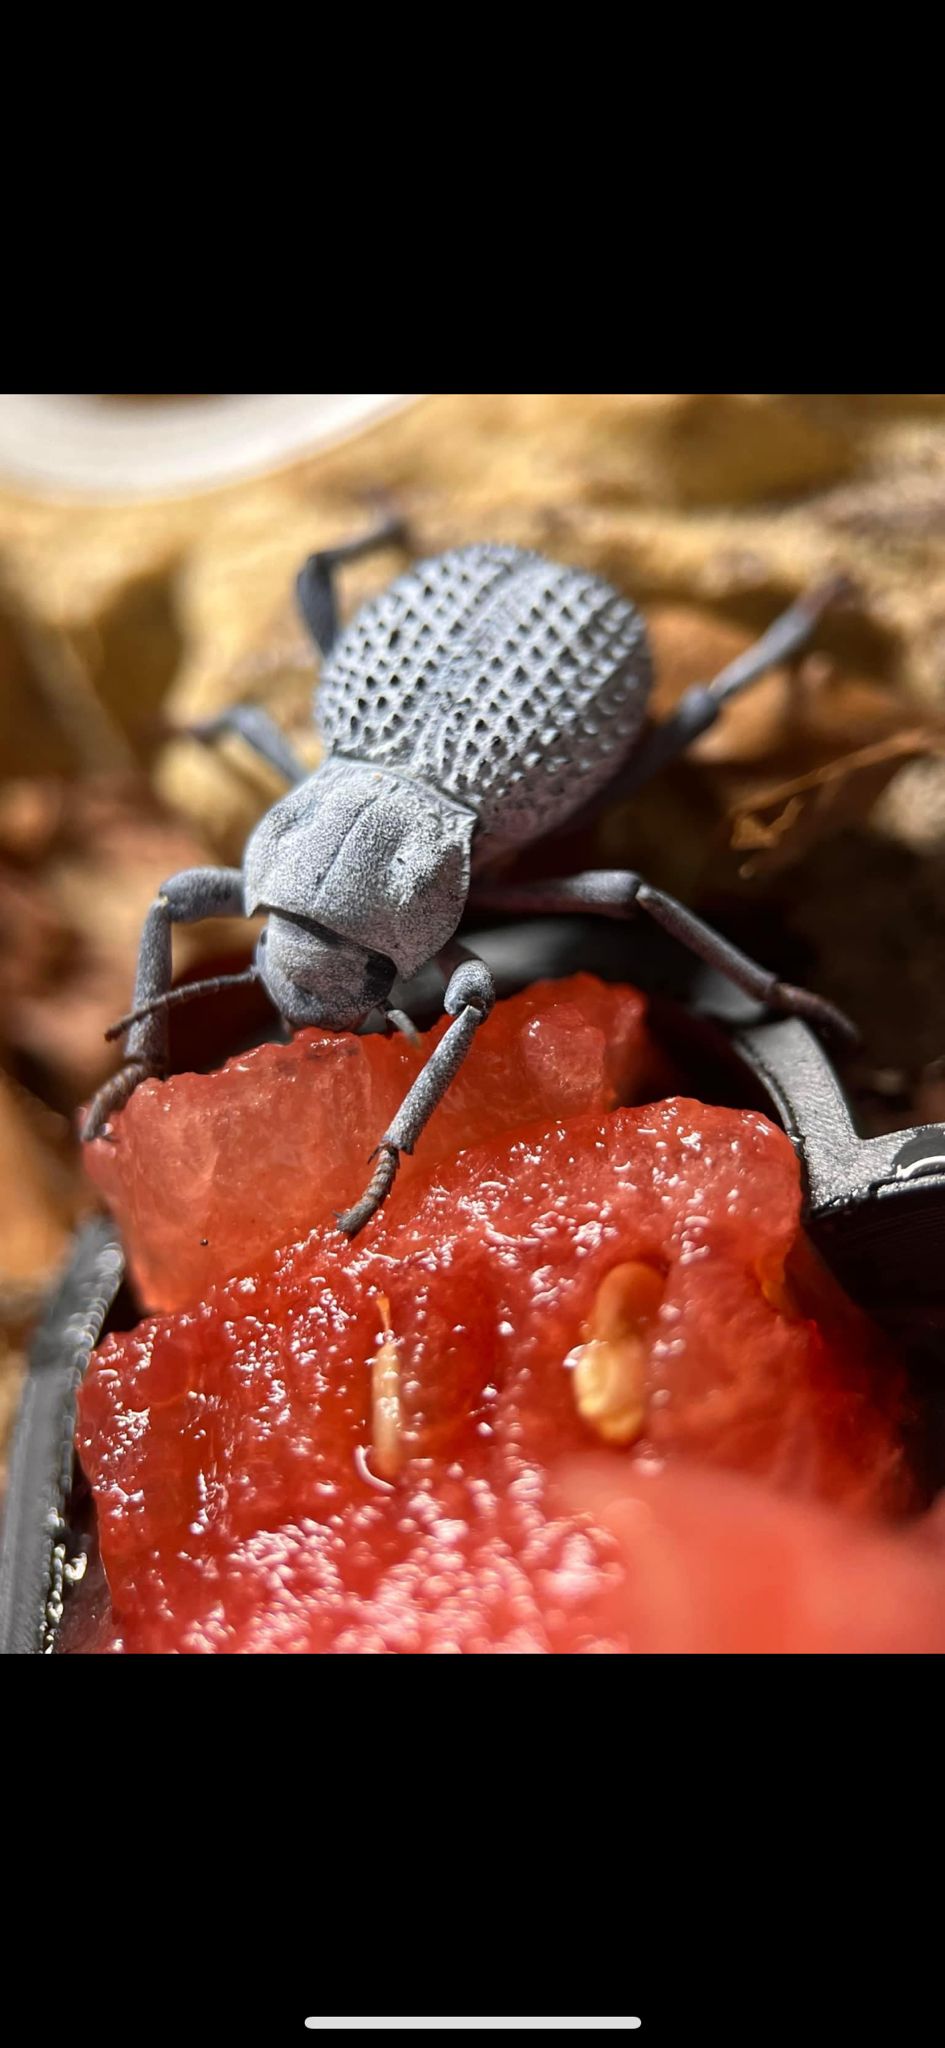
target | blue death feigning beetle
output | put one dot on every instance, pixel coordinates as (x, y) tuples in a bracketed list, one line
[(482, 702)]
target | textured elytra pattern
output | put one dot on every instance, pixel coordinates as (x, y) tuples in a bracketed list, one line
[(516, 685)]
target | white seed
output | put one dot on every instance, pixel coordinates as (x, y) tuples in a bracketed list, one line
[(609, 1379), (387, 1422), (610, 1388)]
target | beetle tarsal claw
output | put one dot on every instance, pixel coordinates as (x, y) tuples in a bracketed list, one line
[(801, 1002), (112, 1097), (382, 1180)]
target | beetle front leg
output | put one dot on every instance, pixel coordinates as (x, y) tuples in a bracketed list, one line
[(780, 996), (470, 994), (187, 898)]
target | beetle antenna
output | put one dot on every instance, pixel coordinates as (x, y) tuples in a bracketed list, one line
[(184, 994)]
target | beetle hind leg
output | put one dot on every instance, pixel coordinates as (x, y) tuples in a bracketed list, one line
[(315, 585)]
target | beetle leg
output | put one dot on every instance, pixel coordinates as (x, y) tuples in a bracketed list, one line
[(616, 892), (187, 898), (609, 892), (470, 994), (709, 945), (258, 730), (315, 587), (699, 708), (37, 1550)]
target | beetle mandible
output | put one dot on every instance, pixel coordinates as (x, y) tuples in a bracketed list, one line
[(479, 703)]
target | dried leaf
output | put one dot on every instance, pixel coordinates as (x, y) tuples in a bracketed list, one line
[(780, 823), (35, 1212), (70, 926)]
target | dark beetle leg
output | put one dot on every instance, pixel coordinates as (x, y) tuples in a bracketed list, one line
[(470, 995), (608, 892), (37, 1558), (315, 587), (615, 892), (186, 899), (708, 945), (258, 730), (700, 707)]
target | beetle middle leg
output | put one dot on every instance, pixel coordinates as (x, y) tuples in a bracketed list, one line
[(318, 603), (616, 892), (470, 994), (187, 898)]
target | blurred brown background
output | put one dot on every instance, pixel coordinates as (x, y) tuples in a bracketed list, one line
[(811, 823)]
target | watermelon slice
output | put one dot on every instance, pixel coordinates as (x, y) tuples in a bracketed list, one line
[(382, 1446)]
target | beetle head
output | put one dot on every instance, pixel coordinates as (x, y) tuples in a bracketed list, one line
[(314, 977), (366, 857)]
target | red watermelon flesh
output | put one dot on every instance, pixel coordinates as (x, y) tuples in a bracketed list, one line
[(367, 1447), (712, 1561), (208, 1172)]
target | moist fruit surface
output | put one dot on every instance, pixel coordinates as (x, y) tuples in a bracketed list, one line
[(373, 1447)]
